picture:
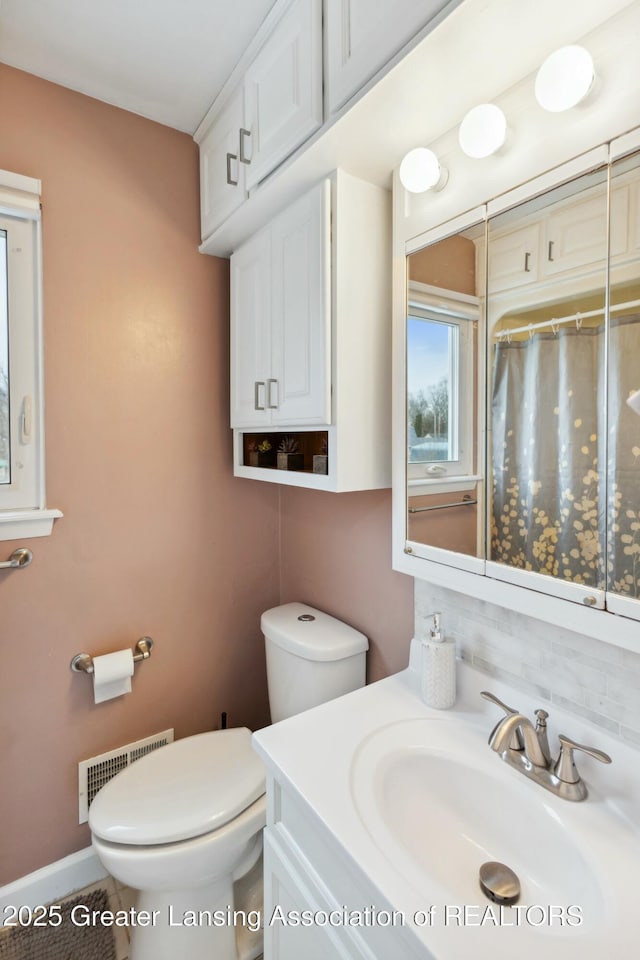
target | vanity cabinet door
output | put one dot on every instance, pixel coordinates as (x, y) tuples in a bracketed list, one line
[(283, 90), (222, 176), (288, 891), (360, 37), (251, 332)]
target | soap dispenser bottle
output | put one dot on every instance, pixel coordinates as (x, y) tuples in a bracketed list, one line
[(438, 679)]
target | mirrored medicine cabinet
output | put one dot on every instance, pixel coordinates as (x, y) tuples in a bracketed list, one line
[(521, 348)]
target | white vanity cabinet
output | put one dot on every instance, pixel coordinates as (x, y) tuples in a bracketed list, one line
[(307, 872), (280, 319), (311, 339), (361, 37), (272, 104)]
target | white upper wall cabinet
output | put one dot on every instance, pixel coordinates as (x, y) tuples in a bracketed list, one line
[(283, 90), (222, 176), (280, 319), (310, 341), (272, 107), (361, 37)]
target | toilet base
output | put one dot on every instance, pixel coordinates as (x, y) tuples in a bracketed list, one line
[(199, 924)]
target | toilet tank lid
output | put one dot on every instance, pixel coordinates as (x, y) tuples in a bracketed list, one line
[(311, 634), (185, 789)]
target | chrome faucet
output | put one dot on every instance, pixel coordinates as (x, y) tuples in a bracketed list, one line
[(526, 748), (503, 733)]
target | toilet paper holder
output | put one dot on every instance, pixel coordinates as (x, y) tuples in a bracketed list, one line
[(83, 663)]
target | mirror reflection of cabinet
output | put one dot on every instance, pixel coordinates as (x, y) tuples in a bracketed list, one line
[(551, 295)]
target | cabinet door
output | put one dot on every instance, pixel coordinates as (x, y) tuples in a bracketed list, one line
[(283, 90), (513, 258), (360, 37), (299, 391), (287, 894), (250, 331), (222, 186), (576, 236)]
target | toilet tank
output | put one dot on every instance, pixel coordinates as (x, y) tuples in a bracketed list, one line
[(311, 658)]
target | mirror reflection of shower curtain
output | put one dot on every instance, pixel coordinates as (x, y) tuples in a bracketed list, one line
[(623, 549), (548, 509)]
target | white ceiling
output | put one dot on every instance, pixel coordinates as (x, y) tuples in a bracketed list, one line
[(163, 59)]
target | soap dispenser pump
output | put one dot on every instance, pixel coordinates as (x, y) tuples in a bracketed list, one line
[(438, 680)]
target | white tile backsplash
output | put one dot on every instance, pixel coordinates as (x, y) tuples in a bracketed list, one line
[(586, 677)]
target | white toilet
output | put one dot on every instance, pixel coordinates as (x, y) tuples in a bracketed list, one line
[(184, 824)]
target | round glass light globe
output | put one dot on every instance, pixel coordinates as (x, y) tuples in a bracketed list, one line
[(483, 131), (564, 79), (419, 170)]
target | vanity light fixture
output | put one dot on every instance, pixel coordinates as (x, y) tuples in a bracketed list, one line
[(483, 131), (564, 79), (420, 170)]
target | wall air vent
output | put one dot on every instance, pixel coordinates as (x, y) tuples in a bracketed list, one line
[(96, 771)]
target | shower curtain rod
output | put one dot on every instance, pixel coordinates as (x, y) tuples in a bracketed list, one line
[(573, 318)]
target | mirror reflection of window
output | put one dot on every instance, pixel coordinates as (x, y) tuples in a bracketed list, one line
[(432, 388), (442, 410)]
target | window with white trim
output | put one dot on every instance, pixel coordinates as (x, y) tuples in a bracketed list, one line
[(440, 384), (22, 493)]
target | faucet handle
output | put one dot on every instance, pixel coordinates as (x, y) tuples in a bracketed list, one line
[(517, 743), (565, 768), (541, 729)]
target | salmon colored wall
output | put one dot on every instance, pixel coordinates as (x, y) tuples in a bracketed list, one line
[(336, 555), (157, 536)]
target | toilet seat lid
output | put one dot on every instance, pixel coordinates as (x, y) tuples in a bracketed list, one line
[(185, 789)]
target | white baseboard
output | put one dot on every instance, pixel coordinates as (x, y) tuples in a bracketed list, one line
[(53, 882)]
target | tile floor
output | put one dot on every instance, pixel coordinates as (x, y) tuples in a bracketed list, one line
[(120, 898)]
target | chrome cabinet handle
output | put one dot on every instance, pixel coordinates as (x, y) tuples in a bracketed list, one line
[(243, 157), (527, 258), (271, 405), (256, 395), (550, 251), (565, 768), (230, 180)]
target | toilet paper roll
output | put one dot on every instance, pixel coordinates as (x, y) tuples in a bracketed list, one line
[(112, 675)]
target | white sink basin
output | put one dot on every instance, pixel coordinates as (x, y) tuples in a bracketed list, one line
[(438, 803)]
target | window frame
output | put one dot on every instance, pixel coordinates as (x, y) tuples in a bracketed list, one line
[(462, 311), (23, 510)]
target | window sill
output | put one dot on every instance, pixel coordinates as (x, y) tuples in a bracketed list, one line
[(20, 524), (418, 487)]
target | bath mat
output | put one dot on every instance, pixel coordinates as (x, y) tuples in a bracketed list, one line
[(66, 942)]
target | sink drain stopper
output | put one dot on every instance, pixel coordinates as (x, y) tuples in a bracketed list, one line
[(499, 883)]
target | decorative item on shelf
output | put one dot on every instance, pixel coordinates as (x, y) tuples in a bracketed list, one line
[(261, 454), (288, 456), (321, 460)]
